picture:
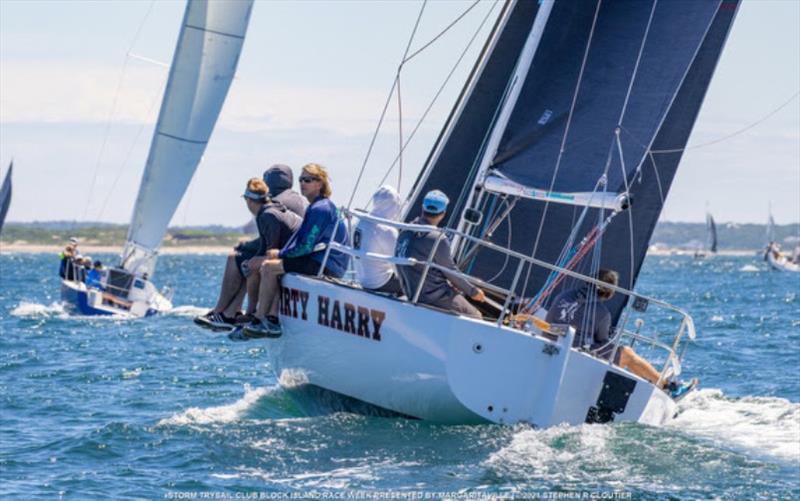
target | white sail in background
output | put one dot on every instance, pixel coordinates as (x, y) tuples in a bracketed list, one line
[(202, 70)]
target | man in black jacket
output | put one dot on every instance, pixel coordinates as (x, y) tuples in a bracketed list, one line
[(275, 225)]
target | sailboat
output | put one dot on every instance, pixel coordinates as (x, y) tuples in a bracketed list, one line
[(5, 195), (773, 255), (207, 53), (558, 156), (710, 248)]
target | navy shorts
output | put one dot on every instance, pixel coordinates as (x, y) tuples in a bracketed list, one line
[(241, 258), (304, 265)]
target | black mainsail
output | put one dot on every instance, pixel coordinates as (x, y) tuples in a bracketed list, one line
[(604, 111), (711, 228), (5, 195)]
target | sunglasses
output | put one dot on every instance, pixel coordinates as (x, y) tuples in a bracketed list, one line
[(308, 179)]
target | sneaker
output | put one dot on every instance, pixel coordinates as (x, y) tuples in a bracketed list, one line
[(679, 389), (214, 321), (243, 318), (237, 334), (259, 329)]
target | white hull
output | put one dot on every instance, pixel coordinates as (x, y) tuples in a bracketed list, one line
[(781, 263), (445, 368)]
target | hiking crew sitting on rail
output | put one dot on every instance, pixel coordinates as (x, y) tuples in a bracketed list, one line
[(275, 225), (94, 278), (303, 253), (441, 289), (279, 179), (67, 258), (582, 308), (376, 274)]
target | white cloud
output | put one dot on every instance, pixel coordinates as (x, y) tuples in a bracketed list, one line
[(70, 92)]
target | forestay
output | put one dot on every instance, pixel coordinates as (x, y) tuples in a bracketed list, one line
[(607, 105), (202, 70)]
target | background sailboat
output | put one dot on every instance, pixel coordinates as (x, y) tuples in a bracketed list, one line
[(5, 195), (710, 247), (203, 67)]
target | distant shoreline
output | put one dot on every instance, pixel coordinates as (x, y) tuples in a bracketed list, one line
[(224, 249), (109, 249)]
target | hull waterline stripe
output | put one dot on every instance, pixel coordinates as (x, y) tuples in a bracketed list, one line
[(231, 35)]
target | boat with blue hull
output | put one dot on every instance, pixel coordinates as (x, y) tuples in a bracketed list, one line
[(203, 67)]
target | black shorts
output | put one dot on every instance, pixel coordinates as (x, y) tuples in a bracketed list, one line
[(240, 259), (304, 265)]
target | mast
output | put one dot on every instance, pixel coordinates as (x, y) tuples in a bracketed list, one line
[(509, 101), (203, 67)]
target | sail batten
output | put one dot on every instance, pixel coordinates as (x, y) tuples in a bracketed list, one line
[(203, 67)]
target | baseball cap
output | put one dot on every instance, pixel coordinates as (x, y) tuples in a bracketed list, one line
[(435, 202)]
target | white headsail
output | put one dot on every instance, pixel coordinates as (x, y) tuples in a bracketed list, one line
[(202, 70)]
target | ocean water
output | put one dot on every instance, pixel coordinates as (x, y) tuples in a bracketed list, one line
[(94, 408)]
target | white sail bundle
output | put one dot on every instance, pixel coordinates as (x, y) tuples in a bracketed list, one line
[(206, 56)]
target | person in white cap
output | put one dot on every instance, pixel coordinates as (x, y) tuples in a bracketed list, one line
[(440, 289), (375, 274)]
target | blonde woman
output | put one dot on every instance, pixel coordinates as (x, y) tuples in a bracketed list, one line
[(303, 253)]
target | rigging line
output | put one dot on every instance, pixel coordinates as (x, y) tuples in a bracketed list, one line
[(400, 132), (564, 138), (636, 66), (439, 92), (114, 107), (733, 134), (658, 177), (441, 33), (630, 209), (386, 106), (126, 159)]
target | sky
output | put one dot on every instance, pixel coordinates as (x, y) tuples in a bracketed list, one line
[(81, 83)]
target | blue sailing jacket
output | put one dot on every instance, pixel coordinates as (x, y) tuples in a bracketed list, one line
[(314, 234)]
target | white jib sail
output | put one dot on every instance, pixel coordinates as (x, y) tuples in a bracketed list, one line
[(202, 70)]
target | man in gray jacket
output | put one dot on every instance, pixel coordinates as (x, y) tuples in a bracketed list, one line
[(279, 179), (441, 289)]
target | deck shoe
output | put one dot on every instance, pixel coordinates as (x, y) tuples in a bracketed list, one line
[(678, 390)]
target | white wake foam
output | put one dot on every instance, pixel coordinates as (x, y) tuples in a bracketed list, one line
[(749, 268), (27, 309), (560, 452), (187, 311), (220, 414), (767, 426)]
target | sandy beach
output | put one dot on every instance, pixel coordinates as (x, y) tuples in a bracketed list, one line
[(16, 247)]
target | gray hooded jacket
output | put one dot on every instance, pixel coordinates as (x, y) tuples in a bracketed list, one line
[(279, 180)]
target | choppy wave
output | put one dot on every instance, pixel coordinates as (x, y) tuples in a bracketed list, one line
[(187, 311), (219, 414), (27, 309), (763, 426), (749, 268)]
